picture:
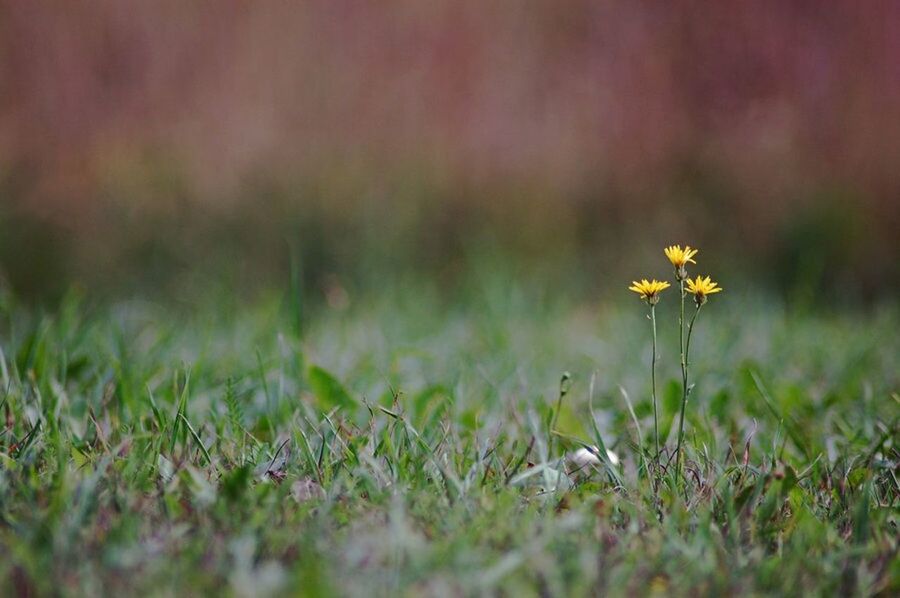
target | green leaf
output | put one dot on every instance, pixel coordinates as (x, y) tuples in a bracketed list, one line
[(430, 404), (718, 406), (235, 482), (328, 390), (670, 407)]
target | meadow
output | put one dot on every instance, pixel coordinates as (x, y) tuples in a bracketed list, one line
[(349, 298), (407, 441)]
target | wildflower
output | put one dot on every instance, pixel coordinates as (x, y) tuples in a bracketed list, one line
[(649, 290), (701, 287), (680, 259)]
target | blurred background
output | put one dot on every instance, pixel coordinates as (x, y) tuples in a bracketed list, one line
[(158, 146)]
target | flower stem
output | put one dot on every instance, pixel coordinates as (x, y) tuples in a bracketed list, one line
[(681, 332), (653, 384), (563, 391), (684, 385), (681, 350)]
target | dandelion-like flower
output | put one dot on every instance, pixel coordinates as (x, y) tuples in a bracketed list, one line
[(701, 287), (680, 258), (649, 290)]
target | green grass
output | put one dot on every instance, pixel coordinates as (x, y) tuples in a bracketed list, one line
[(403, 446)]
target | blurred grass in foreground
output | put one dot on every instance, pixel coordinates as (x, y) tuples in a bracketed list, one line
[(399, 444)]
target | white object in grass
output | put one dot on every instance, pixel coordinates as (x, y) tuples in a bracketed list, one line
[(584, 457)]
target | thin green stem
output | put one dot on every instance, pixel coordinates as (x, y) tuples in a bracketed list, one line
[(681, 346), (653, 384), (563, 391), (687, 346), (681, 325), (685, 391)]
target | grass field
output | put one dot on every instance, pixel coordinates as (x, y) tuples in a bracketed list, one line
[(403, 445)]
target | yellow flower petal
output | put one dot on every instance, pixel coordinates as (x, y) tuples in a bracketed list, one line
[(649, 290), (700, 287), (680, 257)]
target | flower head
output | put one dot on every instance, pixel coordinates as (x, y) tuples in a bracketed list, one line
[(649, 290), (701, 287), (680, 258)]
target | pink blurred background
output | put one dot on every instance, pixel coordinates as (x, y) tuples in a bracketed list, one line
[(737, 115)]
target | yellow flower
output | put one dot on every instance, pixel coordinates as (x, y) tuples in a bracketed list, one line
[(649, 290), (702, 287), (680, 258)]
